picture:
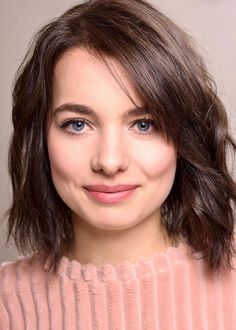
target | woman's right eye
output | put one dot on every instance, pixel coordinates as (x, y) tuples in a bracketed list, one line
[(74, 126)]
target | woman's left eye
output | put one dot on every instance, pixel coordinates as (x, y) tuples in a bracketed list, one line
[(144, 126)]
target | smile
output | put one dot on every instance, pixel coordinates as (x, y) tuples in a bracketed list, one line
[(110, 197)]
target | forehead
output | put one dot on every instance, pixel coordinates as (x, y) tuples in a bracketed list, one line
[(85, 75)]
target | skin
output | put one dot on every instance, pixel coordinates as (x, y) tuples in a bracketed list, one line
[(110, 149)]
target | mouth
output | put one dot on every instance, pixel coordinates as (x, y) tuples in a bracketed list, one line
[(110, 189), (111, 195)]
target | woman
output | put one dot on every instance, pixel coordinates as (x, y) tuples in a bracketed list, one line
[(121, 193)]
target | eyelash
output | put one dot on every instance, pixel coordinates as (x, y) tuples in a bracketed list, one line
[(66, 124)]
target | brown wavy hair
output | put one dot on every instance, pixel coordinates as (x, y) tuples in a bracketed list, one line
[(172, 80)]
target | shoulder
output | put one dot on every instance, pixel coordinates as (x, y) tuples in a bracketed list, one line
[(17, 274), (11, 270), (193, 268), (22, 264), (20, 282), (198, 271)]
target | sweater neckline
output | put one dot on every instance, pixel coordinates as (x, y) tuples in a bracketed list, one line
[(124, 270)]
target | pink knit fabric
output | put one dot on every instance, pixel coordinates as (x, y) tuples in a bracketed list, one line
[(169, 291)]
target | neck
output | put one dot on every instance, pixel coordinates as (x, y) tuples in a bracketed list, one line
[(98, 246)]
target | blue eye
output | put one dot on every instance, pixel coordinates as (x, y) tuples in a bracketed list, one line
[(144, 126), (74, 126), (78, 125)]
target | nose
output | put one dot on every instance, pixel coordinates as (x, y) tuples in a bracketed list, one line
[(110, 155)]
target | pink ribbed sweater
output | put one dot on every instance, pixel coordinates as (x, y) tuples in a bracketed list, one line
[(169, 291)]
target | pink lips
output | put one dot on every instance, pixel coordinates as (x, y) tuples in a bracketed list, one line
[(110, 194)]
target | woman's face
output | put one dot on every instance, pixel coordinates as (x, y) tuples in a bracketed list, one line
[(94, 139)]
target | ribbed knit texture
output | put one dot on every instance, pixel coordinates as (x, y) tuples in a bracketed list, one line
[(169, 291)]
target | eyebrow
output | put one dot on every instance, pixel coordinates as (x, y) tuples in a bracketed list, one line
[(85, 110)]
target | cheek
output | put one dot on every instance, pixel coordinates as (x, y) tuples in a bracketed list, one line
[(65, 161), (159, 161)]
